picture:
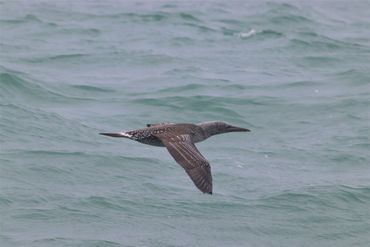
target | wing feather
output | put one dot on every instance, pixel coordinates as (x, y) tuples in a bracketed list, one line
[(188, 156)]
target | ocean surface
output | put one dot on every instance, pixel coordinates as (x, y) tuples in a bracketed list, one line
[(297, 73)]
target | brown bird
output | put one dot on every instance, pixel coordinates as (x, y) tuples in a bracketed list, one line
[(179, 140)]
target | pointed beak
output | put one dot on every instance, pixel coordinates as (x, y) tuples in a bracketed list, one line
[(113, 134), (237, 129)]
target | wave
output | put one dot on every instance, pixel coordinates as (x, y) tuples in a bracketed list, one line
[(318, 42), (18, 87), (28, 19), (335, 197), (88, 88), (153, 16), (59, 241), (25, 19), (199, 103), (14, 86), (290, 20), (31, 124)]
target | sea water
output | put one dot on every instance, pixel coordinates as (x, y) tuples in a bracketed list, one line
[(296, 73)]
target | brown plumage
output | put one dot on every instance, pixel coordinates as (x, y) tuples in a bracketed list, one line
[(179, 140)]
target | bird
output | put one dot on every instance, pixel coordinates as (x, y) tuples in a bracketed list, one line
[(180, 139)]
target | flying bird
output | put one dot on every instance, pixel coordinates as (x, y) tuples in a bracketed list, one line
[(179, 139)]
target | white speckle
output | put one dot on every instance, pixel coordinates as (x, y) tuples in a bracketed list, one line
[(266, 156), (125, 134), (240, 166), (316, 90), (243, 35)]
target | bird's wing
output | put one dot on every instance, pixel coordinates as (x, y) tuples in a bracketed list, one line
[(187, 155)]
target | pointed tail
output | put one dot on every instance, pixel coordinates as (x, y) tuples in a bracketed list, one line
[(117, 134)]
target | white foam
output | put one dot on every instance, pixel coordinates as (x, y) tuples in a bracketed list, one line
[(244, 35)]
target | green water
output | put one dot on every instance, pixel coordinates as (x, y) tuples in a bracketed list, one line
[(294, 72)]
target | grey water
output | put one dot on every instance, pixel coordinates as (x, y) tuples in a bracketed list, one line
[(297, 73)]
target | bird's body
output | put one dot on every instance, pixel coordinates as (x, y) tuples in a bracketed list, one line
[(148, 135), (179, 140)]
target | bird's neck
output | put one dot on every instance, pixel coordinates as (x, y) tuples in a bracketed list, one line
[(209, 129)]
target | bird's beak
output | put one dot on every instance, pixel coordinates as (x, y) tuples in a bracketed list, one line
[(237, 129), (118, 134)]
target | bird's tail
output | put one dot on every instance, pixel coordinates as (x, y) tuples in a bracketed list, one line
[(117, 134)]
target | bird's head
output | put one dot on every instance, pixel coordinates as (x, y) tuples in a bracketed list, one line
[(219, 127)]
